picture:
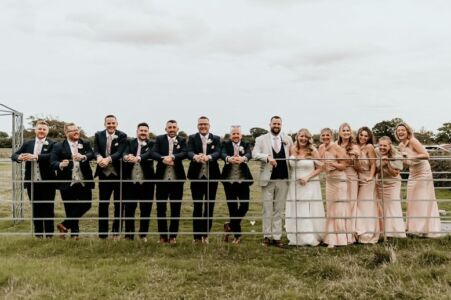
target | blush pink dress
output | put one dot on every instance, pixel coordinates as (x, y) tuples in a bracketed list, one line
[(352, 189), (422, 210), (367, 223), (389, 197), (338, 232)]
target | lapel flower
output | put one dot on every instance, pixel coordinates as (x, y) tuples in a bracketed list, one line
[(80, 146), (143, 143), (241, 149), (175, 142), (46, 143), (177, 147), (114, 137), (209, 141)]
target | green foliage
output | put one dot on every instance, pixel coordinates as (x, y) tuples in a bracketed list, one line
[(56, 128), (257, 131), (3, 134), (425, 137), (6, 142), (386, 128), (444, 134)]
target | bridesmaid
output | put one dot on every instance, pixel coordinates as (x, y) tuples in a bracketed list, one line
[(388, 187), (367, 223), (352, 152), (423, 218), (338, 232)]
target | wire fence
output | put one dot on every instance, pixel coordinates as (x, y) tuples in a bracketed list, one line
[(306, 211)]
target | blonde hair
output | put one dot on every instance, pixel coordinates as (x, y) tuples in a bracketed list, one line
[(393, 152), (310, 147), (408, 129), (67, 126), (42, 122), (327, 129), (351, 138)]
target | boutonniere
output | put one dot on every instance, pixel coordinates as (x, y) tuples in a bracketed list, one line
[(209, 141), (143, 143), (46, 143), (114, 137), (241, 149), (80, 146), (175, 142)]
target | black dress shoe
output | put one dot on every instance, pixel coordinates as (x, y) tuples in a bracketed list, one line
[(266, 242), (278, 243)]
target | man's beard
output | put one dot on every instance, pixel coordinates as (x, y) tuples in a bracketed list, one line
[(273, 131)]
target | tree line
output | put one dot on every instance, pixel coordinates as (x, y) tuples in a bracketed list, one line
[(383, 128)]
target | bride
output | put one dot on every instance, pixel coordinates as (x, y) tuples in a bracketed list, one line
[(304, 213)]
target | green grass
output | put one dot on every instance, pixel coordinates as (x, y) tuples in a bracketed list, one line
[(401, 269), (89, 268)]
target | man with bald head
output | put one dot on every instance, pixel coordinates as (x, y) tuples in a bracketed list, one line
[(236, 180)]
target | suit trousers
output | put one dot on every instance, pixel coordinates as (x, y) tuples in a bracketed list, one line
[(77, 201), (174, 192), (42, 197), (135, 193), (106, 189), (237, 195), (204, 196), (274, 196)]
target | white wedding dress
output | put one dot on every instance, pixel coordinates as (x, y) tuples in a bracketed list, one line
[(304, 210)]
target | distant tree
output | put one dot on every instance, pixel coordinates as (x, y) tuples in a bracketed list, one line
[(3, 134), (56, 128), (425, 136), (257, 131), (183, 135), (152, 135), (443, 135), (386, 128)]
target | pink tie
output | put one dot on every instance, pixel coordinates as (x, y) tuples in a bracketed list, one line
[(277, 144), (38, 147), (75, 148), (235, 149), (108, 144), (204, 144), (171, 146)]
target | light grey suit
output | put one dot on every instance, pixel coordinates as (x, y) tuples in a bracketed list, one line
[(274, 193)]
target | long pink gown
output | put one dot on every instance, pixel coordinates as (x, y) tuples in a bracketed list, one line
[(338, 232), (352, 189), (389, 196), (422, 210), (367, 223)]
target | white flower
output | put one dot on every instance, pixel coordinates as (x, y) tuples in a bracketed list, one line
[(209, 141), (80, 146), (175, 142), (177, 147), (143, 143), (114, 136), (241, 149), (46, 143)]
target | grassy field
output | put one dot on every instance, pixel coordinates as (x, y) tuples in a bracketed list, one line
[(93, 269)]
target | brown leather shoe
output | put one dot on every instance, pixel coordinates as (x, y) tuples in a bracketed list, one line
[(163, 240), (266, 242), (226, 232), (278, 244), (173, 240), (61, 228)]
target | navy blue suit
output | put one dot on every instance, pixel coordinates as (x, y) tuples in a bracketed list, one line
[(118, 146), (203, 192), (237, 193), (138, 192), (169, 190), (76, 197), (43, 193)]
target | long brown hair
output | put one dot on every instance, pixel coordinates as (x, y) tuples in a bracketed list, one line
[(370, 135)]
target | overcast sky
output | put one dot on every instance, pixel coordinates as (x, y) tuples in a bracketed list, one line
[(316, 63)]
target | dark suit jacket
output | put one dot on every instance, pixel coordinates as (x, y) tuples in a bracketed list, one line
[(227, 150), (146, 163), (161, 148), (43, 159), (118, 146), (213, 149), (61, 151)]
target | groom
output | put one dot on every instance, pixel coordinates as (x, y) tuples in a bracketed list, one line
[(272, 150)]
